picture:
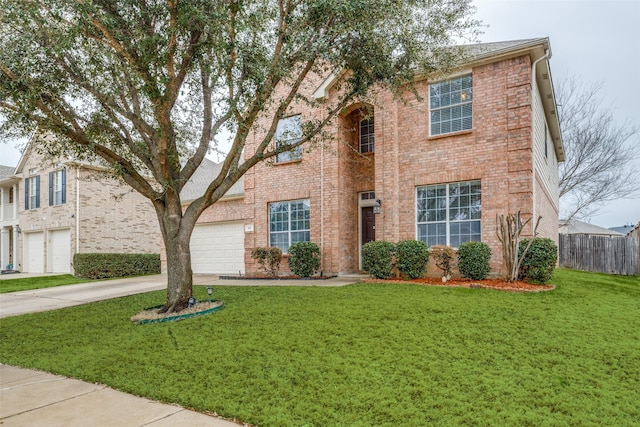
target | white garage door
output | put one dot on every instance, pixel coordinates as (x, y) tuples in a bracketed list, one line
[(59, 251), (34, 252), (218, 248)]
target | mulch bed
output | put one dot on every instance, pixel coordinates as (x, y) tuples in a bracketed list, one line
[(498, 284)]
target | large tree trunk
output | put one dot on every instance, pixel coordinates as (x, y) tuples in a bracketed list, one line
[(179, 273), (176, 233)]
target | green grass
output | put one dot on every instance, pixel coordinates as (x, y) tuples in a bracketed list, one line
[(363, 355), (39, 282)]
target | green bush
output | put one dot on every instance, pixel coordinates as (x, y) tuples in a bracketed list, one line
[(268, 258), (411, 258), (473, 260), (377, 259), (540, 260), (304, 258), (103, 266)]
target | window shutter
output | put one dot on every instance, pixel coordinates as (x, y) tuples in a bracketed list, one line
[(50, 188), (26, 193), (64, 185), (37, 191)]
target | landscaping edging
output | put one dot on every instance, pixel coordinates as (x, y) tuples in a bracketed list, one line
[(276, 277), (220, 306)]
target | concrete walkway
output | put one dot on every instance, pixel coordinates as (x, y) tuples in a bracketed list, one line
[(34, 398)]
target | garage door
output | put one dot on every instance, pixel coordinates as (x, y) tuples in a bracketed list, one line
[(218, 248), (34, 252), (59, 251)]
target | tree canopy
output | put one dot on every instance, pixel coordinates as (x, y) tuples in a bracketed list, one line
[(146, 85)]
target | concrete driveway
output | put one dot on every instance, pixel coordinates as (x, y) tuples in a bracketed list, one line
[(16, 303)]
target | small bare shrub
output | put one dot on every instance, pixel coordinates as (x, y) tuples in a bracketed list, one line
[(444, 257), (268, 258)]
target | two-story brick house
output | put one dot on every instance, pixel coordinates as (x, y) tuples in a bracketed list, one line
[(484, 141), (67, 207)]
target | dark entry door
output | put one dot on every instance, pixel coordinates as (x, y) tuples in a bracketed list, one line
[(368, 225)]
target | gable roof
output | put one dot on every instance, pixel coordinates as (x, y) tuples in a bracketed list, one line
[(625, 229), (579, 227), (201, 179)]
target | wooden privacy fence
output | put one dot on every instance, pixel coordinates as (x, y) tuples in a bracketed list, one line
[(603, 254)]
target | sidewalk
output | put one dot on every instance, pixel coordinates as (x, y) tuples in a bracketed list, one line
[(34, 398)]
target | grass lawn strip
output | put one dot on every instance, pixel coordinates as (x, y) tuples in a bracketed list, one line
[(362, 355), (39, 282)]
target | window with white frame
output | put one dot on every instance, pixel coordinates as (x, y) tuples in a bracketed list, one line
[(32, 191), (367, 135), (289, 131), (451, 106), (289, 223), (57, 187), (449, 214)]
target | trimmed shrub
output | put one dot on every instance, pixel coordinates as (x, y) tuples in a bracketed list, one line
[(103, 266), (539, 261), (268, 258), (377, 259), (411, 258), (473, 260), (304, 258), (443, 257)]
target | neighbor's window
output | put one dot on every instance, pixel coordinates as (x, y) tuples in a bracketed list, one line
[(367, 136), (289, 223), (289, 131), (32, 192), (450, 104), (57, 187), (449, 214)]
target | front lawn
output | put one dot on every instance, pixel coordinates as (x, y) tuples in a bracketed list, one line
[(363, 355), (38, 282)]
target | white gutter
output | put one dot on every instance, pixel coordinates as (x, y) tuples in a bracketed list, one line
[(534, 87), (77, 209)]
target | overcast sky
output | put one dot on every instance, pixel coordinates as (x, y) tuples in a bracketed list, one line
[(597, 41)]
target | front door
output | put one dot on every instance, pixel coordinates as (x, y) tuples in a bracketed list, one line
[(368, 225)]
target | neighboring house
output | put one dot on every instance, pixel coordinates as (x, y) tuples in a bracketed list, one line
[(8, 217), (625, 229), (635, 232), (68, 207), (485, 141), (578, 227)]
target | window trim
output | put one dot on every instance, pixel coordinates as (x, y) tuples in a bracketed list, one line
[(289, 231), (447, 221), (294, 154), (450, 106), (62, 190), (370, 143)]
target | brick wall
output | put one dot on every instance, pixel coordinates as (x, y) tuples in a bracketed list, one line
[(497, 151)]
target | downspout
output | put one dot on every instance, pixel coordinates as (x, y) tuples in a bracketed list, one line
[(534, 87), (77, 210), (322, 202)]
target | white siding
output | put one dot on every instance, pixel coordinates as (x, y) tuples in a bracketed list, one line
[(546, 166)]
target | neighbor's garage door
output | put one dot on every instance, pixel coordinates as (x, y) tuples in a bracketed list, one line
[(59, 251), (34, 252), (218, 248)]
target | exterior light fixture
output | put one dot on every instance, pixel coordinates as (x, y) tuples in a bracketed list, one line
[(376, 207), (209, 292), (192, 302)]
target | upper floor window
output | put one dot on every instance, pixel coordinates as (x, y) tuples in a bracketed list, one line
[(32, 192), (367, 135), (449, 214), (289, 131), (10, 194), (450, 104), (58, 187), (289, 223)]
